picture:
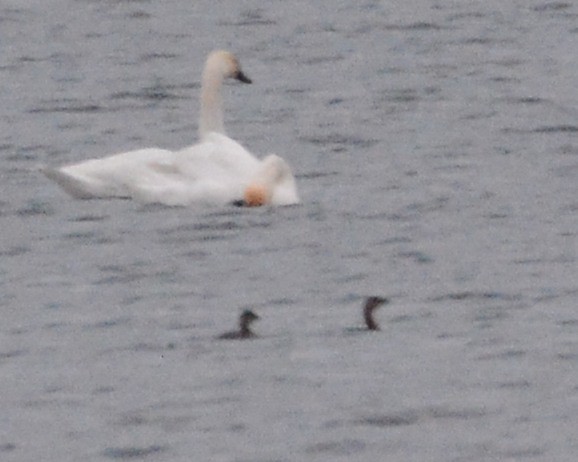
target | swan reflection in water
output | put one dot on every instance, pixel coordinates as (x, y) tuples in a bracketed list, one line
[(216, 170)]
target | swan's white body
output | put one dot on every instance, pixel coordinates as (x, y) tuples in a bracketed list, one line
[(216, 170)]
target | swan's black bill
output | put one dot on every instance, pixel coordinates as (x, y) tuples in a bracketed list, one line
[(239, 203), (243, 78)]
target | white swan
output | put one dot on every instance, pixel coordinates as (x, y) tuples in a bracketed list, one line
[(216, 170)]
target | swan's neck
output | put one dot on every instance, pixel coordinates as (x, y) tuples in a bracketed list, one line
[(211, 103)]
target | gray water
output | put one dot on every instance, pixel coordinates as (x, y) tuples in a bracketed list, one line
[(435, 146)]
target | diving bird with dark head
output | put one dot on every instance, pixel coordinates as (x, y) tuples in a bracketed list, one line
[(245, 320)]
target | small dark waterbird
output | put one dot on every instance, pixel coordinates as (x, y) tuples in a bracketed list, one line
[(245, 320)]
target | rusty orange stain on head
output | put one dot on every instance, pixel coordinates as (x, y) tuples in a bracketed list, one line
[(256, 195)]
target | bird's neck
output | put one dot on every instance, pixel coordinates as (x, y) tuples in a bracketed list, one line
[(211, 104), (369, 321), (245, 331)]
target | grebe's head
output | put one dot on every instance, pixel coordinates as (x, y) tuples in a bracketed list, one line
[(225, 63), (248, 316)]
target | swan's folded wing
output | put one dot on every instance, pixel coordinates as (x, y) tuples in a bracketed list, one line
[(112, 176), (74, 186), (217, 156)]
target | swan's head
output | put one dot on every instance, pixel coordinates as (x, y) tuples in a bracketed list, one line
[(269, 184), (227, 65)]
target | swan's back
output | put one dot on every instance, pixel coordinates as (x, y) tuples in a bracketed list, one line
[(218, 151), (212, 172), (113, 176)]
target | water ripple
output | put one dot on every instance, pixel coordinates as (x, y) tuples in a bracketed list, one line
[(339, 141), (70, 106), (35, 208), (12, 354), (414, 26), (474, 295), (128, 453), (391, 420), (345, 447), (14, 251), (410, 417), (250, 17), (7, 447), (552, 6)]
